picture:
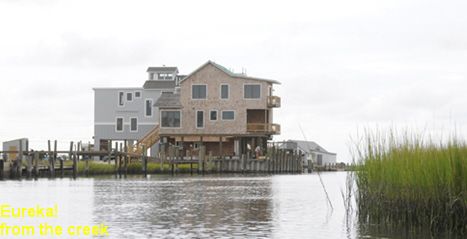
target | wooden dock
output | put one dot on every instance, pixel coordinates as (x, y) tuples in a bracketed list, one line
[(34, 164)]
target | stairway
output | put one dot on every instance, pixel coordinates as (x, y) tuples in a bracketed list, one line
[(148, 140)]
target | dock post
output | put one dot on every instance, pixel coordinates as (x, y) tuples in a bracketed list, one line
[(202, 154), (115, 154), (19, 165), (36, 164), (120, 160), (144, 161), (162, 157), (2, 164), (242, 163), (62, 170), (54, 158), (73, 158), (125, 157), (109, 150), (29, 163), (49, 157)]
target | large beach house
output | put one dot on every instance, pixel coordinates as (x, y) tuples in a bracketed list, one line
[(229, 113)]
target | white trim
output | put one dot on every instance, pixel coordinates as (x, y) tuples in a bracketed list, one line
[(217, 115), (152, 108), (260, 89), (160, 119), (127, 94), (222, 117), (123, 99), (140, 94), (196, 119), (200, 98), (228, 91), (134, 131), (116, 125), (124, 123)]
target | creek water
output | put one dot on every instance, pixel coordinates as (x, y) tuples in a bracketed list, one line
[(184, 206)]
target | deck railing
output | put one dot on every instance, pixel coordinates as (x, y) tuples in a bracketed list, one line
[(263, 128), (274, 101)]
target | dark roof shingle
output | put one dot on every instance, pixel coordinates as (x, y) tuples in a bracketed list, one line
[(168, 69), (159, 84), (168, 100)]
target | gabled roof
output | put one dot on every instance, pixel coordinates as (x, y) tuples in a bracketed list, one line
[(230, 73), (168, 69), (159, 84), (168, 100), (308, 146)]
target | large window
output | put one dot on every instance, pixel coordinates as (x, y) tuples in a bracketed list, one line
[(148, 108), (129, 96), (170, 119), (198, 91), (228, 115), (137, 94), (213, 115), (224, 91), (199, 119), (119, 125), (252, 91), (133, 124), (120, 98)]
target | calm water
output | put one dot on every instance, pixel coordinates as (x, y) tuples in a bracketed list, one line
[(282, 206)]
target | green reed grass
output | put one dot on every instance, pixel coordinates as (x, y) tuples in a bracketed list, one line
[(98, 168), (411, 182)]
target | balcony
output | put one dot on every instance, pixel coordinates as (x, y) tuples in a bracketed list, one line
[(263, 128), (274, 101)]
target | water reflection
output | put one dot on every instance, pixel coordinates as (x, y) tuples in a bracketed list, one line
[(185, 207), (280, 206)]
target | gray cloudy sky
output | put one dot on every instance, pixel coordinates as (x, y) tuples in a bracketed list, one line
[(343, 64)]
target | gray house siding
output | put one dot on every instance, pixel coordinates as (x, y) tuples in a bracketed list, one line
[(107, 110)]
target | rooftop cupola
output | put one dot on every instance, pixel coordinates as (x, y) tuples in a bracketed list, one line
[(162, 73)]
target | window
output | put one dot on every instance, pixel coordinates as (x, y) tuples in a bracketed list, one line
[(213, 115), (224, 91), (252, 91), (151, 76), (137, 94), (228, 115), (148, 108), (129, 96), (119, 125), (198, 91), (170, 119), (120, 98), (133, 124), (199, 119)]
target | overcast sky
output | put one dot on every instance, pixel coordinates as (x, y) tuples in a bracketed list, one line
[(344, 65)]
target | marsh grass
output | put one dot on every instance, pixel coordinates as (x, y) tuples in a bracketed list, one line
[(406, 181), (98, 168)]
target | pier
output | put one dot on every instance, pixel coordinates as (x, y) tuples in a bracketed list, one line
[(171, 159)]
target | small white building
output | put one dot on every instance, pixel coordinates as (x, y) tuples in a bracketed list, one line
[(312, 150)]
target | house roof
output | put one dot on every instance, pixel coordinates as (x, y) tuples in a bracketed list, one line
[(168, 69), (308, 146), (168, 100), (230, 73), (159, 84)]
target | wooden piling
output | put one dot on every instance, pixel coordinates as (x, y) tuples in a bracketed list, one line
[(125, 157), (54, 157), (144, 161), (162, 157), (36, 164), (72, 157)]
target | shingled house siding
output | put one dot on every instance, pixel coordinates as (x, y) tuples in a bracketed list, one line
[(213, 78)]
